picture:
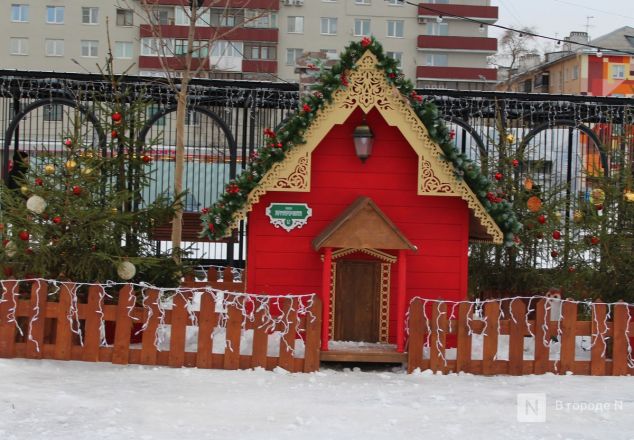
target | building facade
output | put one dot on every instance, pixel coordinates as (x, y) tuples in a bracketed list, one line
[(581, 71), (253, 39)]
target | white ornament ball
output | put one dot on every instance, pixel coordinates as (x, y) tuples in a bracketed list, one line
[(10, 249), (36, 204), (126, 270)]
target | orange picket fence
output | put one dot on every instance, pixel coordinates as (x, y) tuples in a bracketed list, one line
[(199, 325), (519, 336)]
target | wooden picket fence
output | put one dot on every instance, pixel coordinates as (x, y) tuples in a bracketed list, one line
[(432, 324), (36, 326)]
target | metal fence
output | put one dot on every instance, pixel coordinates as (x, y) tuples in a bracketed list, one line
[(563, 140)]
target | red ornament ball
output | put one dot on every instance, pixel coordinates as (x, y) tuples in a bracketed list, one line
[(39, 182), (116, 117), (499, 176), (114, 134), (68, 142), (146, 159), (594, 240), (306, 108), (24, 235), (599, 207), (77, 190), (541, 219), (572, 270), (366, 41), (516, 163), (554, 254), (57, 219), (556, 235)]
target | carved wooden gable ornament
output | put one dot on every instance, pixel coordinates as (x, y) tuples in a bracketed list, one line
[(368, 89)]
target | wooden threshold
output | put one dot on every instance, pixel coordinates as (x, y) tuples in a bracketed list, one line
[(377, 354)]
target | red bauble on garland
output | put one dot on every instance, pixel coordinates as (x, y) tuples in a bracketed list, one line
[(24, 235), (499, 176), (38, 181), (146, 159), (116, 117), (366, 41), (68, 142), (556, 235), (516, 163), (541, 219), (77, 190), (306, 108), (594, 240), (554, 254)]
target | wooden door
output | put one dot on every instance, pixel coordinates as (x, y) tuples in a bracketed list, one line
[(357, 300)]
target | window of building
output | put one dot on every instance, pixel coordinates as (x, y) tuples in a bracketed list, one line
[(361, 27), (362, 2), (123, 49), (328, 26), (443, 2), (618, 71), (90, 15), (257, 52), (398, 56), (19, 13), (55, 14), (292, 55), (89, 48), (125, 17), (434, 28), (200, 49), (53, 112), (227, 20), (227, 49), (575, 72), (396, 28), (181, 17), (162, 16), (395, 2), (255, 18), (153, 47), (19, 46), (54, 48), (437, 59), (295, 25)]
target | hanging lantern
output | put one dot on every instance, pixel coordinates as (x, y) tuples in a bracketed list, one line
[(363, 140)]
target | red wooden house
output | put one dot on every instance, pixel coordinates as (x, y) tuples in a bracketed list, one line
[(368, 235)]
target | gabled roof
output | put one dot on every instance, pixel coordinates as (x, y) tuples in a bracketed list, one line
[(366, 80), (362, 225), (617, 39)]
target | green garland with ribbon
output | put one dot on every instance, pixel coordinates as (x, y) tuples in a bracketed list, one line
[(217, 219)]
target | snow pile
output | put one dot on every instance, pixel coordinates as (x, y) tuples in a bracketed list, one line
[(72, 400)]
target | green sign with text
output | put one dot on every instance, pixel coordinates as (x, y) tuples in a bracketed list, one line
[(288, 216)]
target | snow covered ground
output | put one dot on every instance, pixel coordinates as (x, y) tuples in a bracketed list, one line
[(72, 400)]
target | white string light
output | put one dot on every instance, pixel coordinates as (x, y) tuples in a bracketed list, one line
[(275, 317)]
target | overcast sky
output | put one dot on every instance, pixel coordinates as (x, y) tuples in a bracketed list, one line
[(557, 18)]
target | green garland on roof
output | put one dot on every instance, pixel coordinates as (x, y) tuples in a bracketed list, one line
[(217, 219)]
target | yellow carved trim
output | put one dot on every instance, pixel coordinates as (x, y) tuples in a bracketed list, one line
[(333, 304), (384, 317), (383, 256), (368, 89)]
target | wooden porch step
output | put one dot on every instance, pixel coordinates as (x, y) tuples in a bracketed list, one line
[(378, 353)]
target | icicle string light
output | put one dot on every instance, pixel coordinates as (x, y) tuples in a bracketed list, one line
[(275, 310)]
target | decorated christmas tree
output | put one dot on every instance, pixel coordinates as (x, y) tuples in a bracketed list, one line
[(77, 212)]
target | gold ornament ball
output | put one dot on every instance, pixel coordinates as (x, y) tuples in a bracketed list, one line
[(557, 217), (49, 169), (86, 171), (24, 189), (629, 196), (70, 165), (577, 217), (597, 196), (89, 154), (510, 138), (114, 211)]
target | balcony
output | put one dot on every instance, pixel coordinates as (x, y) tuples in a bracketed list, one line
[(259, 66), (456, 73), (251, 4), (208, 33), (457, 44), (483, 13)]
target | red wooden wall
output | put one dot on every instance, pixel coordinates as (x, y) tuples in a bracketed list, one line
[(285, 262)]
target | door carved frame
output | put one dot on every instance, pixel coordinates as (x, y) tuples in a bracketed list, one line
[(384, 290)]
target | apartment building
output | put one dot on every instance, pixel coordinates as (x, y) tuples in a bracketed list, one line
[(578, 70), (255, 39)]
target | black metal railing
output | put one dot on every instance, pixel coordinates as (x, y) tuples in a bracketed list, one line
[(563, 140)]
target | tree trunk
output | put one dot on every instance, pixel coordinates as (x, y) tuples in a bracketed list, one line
[(177, 222)]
